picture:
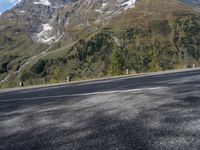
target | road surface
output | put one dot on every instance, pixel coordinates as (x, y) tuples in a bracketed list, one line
[(149, 112)]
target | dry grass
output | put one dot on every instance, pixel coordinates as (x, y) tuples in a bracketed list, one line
[(148, 10)]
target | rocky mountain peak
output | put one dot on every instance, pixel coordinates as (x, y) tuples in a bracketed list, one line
[(47, 19)]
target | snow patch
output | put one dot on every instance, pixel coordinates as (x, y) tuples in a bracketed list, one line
[(45, 36), (98, 10), (14, 2), (47, 27), (129, 4), (43, 2), (104, 4), (22, 11)]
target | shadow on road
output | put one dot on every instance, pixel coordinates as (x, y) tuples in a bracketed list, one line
[(168, 118)]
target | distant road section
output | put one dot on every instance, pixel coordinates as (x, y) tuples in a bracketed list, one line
[(150, 112)]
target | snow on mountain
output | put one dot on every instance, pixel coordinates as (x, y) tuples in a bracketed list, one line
[(129, 4), (48, 19), (46, 36), (43, 2)]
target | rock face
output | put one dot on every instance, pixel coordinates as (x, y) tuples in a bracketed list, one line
[(195, 2), (48, 19)]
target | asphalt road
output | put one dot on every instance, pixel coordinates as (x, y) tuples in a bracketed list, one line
[(149, 112)]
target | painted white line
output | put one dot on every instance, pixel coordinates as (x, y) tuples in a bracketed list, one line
[(83, 94)]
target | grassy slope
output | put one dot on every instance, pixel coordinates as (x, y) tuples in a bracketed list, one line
[(16, 47)]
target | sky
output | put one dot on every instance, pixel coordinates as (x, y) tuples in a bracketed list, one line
[(7, 4)]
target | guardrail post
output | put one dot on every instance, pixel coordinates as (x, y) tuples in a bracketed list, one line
[(127, 72), (68, 79), (21, 84)]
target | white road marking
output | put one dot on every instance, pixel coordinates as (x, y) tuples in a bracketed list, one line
[(82, 94)]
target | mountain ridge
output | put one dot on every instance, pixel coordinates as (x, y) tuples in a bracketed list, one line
[(47, 20)]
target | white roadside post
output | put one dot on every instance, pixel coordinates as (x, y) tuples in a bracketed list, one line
[(21, 84), (127, 72), (68, 79)]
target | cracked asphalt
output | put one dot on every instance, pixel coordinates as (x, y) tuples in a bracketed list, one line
[(142, 113)]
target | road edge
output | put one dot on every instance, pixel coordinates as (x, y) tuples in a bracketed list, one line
[(98, 79)]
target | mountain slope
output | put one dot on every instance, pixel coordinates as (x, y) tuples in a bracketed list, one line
[(89, 39), (194, 2)]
